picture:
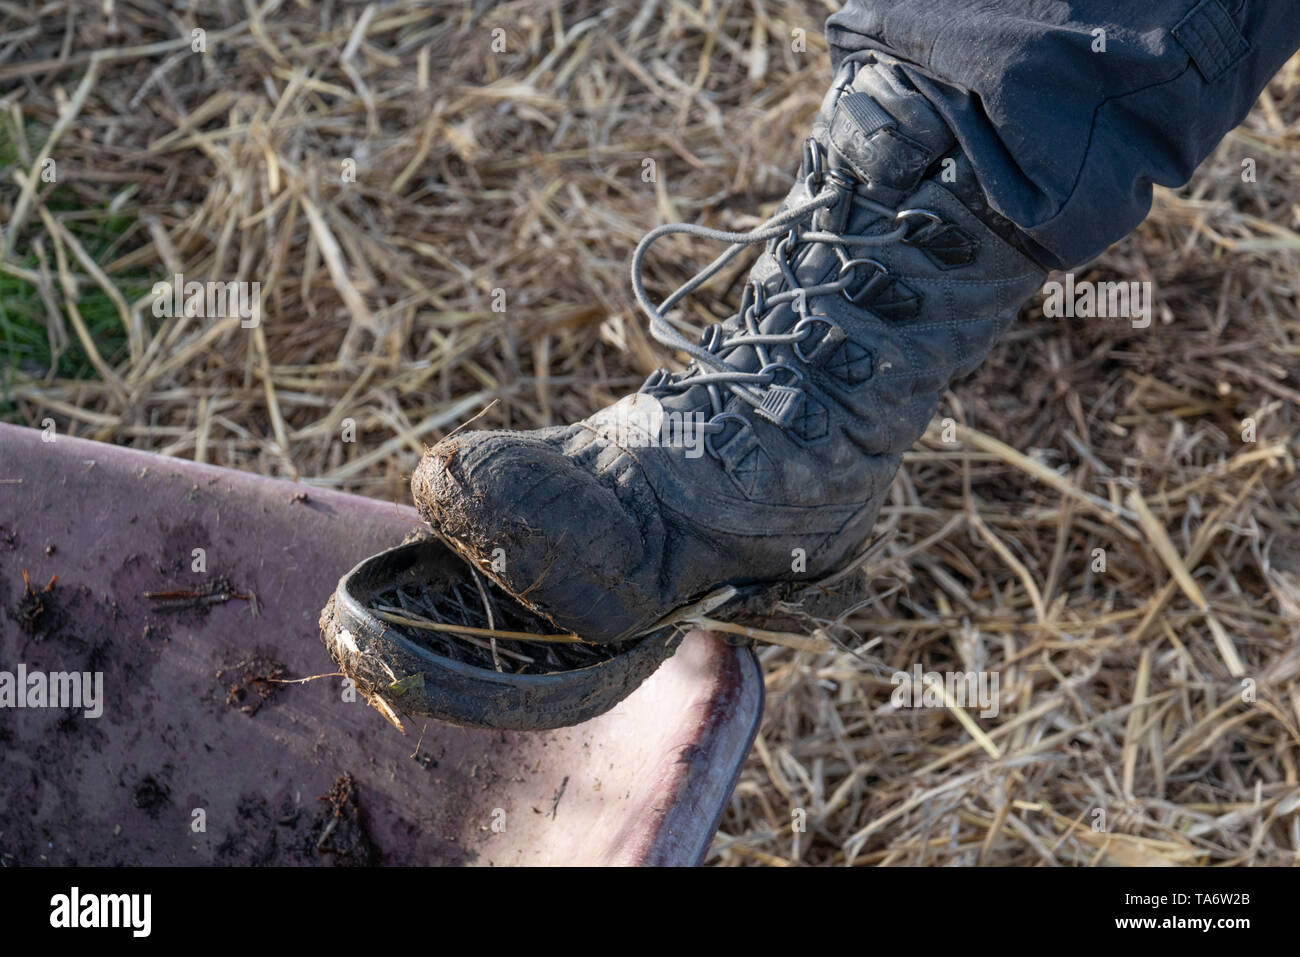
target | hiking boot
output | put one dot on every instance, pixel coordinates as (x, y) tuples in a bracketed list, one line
[(884, 276)]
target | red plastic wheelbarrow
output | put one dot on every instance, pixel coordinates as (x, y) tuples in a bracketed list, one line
[(153, 613)]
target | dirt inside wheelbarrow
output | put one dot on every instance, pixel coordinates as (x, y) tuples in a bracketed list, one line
[(476, 602)]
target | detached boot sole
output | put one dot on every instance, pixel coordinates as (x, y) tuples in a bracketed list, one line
[(398, 672)]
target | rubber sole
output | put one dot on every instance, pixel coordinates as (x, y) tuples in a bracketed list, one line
[(416, 681)]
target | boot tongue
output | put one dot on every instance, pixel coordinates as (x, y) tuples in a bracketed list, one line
[(885, 133)]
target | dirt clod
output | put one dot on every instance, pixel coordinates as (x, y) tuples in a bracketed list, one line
[(151, 796), (36, 612), (339, 830), (255, 682)]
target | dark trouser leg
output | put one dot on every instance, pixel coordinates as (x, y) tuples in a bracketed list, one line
[(1070, 111)]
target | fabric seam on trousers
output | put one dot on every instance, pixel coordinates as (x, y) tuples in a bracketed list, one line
[(1092, 128)]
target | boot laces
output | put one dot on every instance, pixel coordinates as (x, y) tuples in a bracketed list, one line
[(784, 233)]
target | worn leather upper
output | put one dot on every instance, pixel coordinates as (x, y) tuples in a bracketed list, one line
[(605, 532)]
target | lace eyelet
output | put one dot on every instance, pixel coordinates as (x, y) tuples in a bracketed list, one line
[(813, 161), (903, 215), (784, 248), (711, 338), (842, 180), (807, 323), (708, 445), (655, 379), (798, 376), (853, 264)]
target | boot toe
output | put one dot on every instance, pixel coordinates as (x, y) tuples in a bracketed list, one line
[(542, 527)]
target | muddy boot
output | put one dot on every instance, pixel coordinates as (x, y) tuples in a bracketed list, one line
[(884, 276)]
